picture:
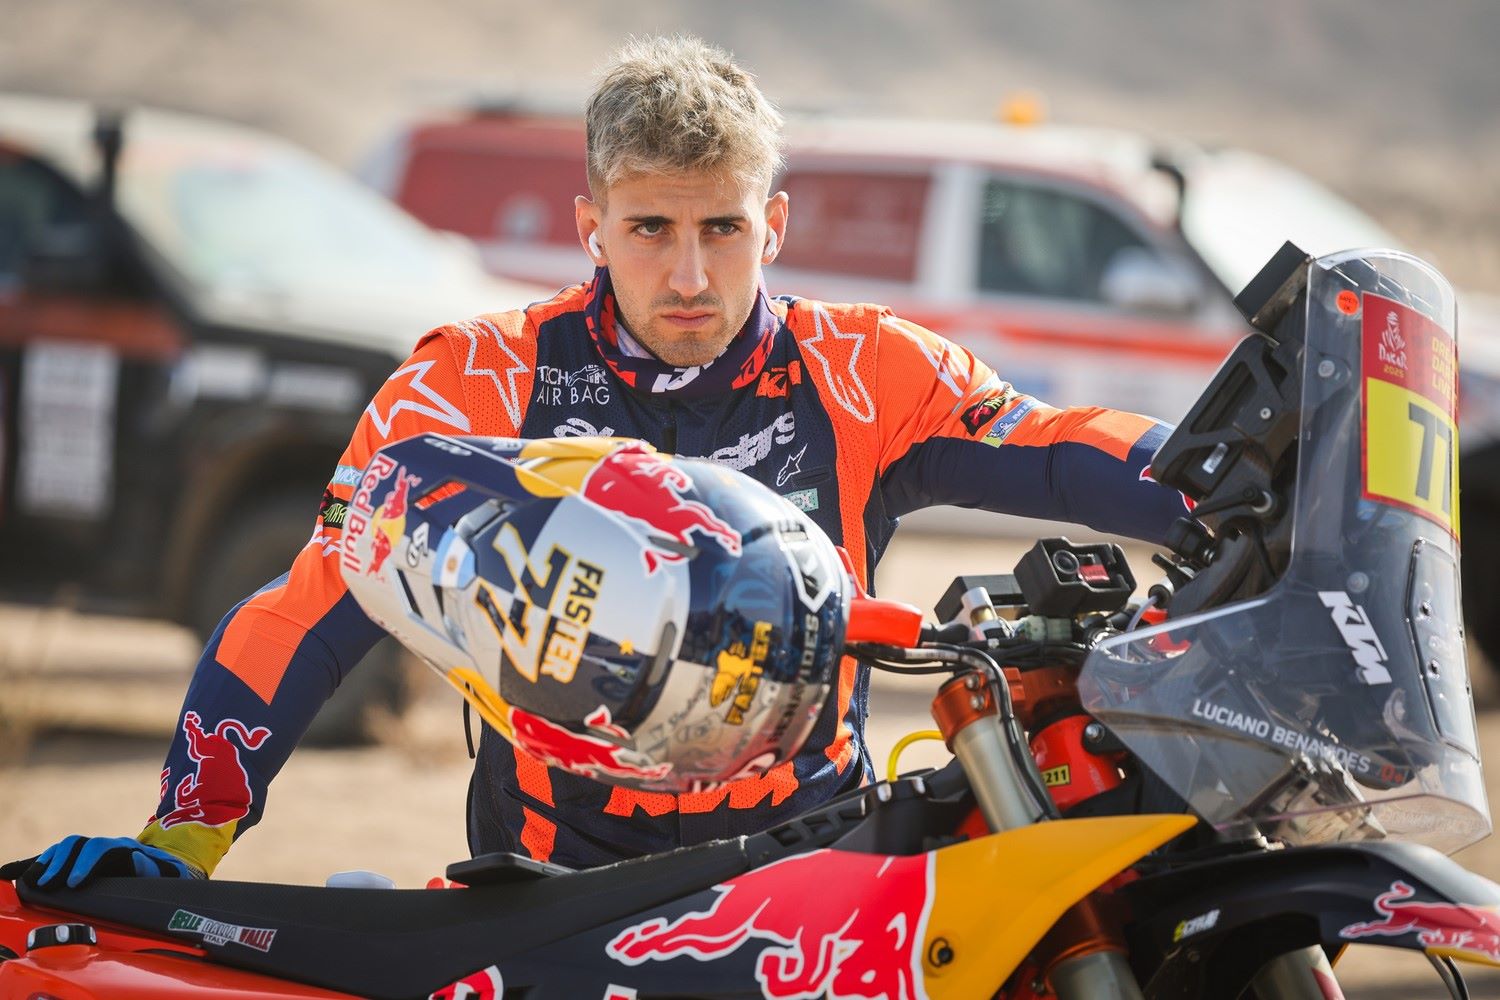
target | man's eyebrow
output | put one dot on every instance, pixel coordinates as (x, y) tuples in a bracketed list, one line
[(662, 220)]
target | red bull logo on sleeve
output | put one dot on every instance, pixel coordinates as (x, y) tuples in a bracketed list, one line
[(218, 790), (858, 937), (1445, 927), (582, 753), (645, 488)]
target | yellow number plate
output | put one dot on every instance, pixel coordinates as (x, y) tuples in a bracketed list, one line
[(1410, 431)]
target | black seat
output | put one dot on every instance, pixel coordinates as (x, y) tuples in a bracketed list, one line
[(395, 943)]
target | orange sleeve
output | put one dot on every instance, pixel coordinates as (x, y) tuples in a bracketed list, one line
[(927, 386), (423, 394), (951, 432)]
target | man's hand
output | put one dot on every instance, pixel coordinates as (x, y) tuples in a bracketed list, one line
[(76, 860)]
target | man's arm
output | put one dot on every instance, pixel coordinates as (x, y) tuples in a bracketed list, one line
[(277, 657), (953, 433)]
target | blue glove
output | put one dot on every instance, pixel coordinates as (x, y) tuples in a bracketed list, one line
[(76, 860)]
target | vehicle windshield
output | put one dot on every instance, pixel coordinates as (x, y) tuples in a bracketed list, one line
[(242, 213), (1238, 208), (1336, 705)]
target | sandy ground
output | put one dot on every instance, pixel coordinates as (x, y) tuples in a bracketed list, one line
[(89, 704)]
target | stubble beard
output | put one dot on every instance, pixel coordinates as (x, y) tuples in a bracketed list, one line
[(685, 349)]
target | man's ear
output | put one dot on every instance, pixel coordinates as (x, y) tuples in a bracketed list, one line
[(777, 207), (587, 217)]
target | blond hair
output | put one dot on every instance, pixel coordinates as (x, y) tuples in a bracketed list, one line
[(679, 104)]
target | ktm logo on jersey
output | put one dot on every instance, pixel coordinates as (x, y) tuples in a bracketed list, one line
[(775, 383)]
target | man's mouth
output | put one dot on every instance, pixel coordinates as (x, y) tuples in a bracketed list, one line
[(687, 320)]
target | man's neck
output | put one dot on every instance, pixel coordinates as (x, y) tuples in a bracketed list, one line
[(629, 346)]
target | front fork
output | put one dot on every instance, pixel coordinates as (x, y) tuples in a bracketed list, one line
[(1088, 950), (1085, 951), (1304, 974)]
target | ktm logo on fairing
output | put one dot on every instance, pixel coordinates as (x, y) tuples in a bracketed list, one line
[(218, 790), (1359, 635)]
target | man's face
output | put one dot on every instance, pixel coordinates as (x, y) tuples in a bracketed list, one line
[(684, 252)]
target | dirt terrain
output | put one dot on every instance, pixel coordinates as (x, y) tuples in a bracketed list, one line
[(90, 703)]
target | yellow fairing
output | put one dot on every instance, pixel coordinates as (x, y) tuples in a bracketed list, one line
[(1463, 954), (997, 896)]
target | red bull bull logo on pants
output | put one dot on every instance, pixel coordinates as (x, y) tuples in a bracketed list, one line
[(218, 790), (837, 924)]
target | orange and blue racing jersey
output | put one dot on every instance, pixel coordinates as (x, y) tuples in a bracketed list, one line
[(854, 415)]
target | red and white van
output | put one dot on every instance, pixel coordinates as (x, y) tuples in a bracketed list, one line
[(1084, 265)]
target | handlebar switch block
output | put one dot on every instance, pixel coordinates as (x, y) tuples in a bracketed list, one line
[(1061, 580)]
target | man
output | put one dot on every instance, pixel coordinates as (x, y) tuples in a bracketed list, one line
[(854, 415)]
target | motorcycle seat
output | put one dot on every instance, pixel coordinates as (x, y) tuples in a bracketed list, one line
[(395, 943)]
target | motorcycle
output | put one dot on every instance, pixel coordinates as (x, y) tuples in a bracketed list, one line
[(1209, 793)]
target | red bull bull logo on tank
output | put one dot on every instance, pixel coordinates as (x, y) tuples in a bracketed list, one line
[(857, 936), (1446, 927), (637, 483)]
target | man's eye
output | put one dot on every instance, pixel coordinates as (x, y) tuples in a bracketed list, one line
[(649, 229), (726, 228)]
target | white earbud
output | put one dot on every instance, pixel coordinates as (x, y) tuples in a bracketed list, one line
[(594, 245), (771, 243)]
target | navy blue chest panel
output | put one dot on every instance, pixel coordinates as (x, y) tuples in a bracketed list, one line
[(774, 431)]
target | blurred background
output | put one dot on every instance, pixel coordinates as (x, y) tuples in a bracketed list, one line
[(1073, 189)]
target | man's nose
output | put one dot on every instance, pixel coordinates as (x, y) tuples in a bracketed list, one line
[(689, 275)]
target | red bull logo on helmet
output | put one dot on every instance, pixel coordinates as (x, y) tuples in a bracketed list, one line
[(857, 937), (582, 753), (218, 790), (362, 505), (639, 484), (389, 523), (1454, 927)]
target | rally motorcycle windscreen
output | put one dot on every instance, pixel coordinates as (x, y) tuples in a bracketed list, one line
[(1334, 706)]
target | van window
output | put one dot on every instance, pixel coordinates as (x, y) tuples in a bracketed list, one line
[(1041, 241), (509, 194), (855, 223), (32, 200)]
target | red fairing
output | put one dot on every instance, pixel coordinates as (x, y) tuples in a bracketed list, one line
[(119, 967)]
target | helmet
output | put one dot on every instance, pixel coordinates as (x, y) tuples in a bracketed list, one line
[(652, 621)]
